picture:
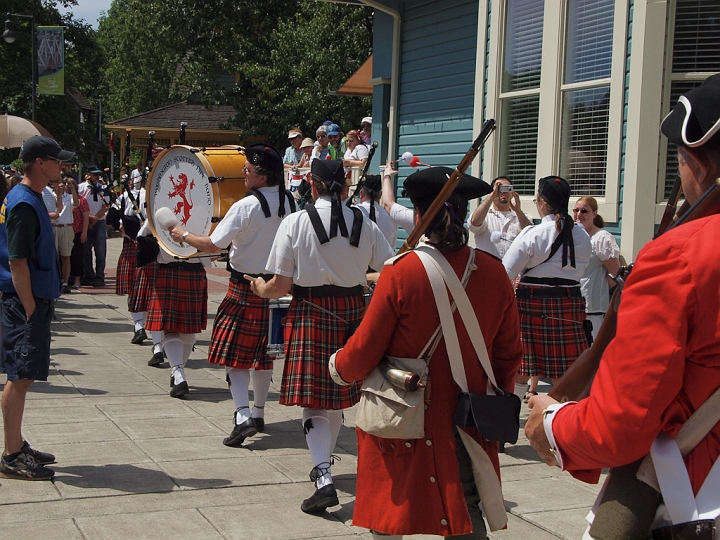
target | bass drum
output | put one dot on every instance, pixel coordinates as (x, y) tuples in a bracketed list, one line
[(198, 185)]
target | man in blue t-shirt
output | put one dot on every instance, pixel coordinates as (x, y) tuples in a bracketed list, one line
[(29, 282)]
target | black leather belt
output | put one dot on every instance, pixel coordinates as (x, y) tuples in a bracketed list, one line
[(548, 292), (326, 291), (237, 277), (188, 267), (552, 281)]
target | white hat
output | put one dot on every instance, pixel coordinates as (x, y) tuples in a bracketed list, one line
[(366, 120)]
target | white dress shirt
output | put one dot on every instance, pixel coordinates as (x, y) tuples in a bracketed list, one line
[(383, 221), (504, 223)]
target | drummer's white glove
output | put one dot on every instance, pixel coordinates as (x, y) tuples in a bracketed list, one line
[(334, 373)]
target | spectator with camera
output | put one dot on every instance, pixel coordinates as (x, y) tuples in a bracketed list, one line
[(98, 201), (498, 219)]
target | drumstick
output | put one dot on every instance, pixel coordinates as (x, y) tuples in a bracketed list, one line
[(249, 278)]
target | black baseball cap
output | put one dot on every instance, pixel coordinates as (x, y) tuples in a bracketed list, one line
[(38, 146)]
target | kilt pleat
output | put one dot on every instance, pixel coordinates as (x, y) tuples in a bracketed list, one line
[(179, 301), (552, 334), (311, 337), (126, 268), (139, 296), (240, 330)]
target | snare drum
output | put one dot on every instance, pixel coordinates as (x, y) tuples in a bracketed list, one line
[(199, 186), (276, 330)]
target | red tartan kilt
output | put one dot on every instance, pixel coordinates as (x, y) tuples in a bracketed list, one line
[(239, 335), (311, 337), (179, 300), (139, 296), (126, 268), (552, 344)]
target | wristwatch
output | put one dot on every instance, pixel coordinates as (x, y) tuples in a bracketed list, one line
[(184, 235)]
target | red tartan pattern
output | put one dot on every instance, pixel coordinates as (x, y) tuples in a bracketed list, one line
[(551, 345), (179, 301), (311, 337), (239, 334), (139, 296), (126, 268)]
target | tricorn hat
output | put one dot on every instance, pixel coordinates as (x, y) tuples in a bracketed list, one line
[(428, 183), (696, 116), (265, 156)]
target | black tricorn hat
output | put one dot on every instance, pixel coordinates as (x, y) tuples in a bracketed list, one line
[(555, 191), (265, 156), (696, 116), (428, 183), (329, 171)]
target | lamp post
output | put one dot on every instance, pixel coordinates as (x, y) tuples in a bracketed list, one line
[(9, 37)]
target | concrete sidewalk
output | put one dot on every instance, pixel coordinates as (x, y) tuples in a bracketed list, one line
[(136, 463)]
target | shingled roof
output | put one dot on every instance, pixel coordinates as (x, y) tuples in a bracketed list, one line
[(196, 115)]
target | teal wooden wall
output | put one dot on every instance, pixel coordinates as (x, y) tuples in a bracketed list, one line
[(437, 82)]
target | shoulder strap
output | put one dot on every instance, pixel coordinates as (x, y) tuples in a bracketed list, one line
[(263, 202), (557, 244), (291, 200), (444, 274), (317, 223)]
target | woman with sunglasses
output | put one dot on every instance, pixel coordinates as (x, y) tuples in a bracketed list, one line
[(604, 261)]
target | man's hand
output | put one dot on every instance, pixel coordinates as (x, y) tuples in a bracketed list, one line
[(515, 202), (93, 220), (534, 429), (176, 234), (257, 285), (83, 237), (389, 171)]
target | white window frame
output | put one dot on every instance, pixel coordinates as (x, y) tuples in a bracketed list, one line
[(551, 88)]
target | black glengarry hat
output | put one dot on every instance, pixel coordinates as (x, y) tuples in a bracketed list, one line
[(428, 183), (373, 183), (265, 156), (330, 171), (696, 116), (555, 191), (38, 146)]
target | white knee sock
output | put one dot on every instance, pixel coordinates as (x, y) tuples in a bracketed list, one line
[(318, 438), (520, 389), (188, 341), (157, 337), (335, 421), (239, 385), (139, 320), (261, 386), (173, 347)]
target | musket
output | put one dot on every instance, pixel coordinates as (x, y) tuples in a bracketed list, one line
[(449, 187), (669, 213), (576, 382)]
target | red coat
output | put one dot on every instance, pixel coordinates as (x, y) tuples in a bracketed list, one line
[(413, 487), (663, 363)]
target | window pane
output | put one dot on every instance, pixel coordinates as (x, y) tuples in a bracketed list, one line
[(583, 158), (589, 41), (697, 36), (519, 142), (523, 45)]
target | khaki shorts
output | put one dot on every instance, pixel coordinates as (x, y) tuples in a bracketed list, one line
[(64, 237)]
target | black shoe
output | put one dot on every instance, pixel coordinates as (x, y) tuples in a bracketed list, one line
[(259, 424), (24, 467), (157, 359), (98, 283), (86, 282), (323, 498), (41, 458), (139, 337), (240, 432), (179, 390), (66, 289)]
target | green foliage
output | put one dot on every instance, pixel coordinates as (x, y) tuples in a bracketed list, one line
[(312, 53)]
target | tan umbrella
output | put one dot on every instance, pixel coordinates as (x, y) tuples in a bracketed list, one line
[(15, 130)]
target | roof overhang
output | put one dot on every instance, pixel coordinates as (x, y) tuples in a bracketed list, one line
[(359, 83)]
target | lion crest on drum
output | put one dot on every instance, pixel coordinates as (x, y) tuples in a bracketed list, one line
[(180, 189)]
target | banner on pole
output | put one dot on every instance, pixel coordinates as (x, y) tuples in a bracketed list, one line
[(51, 60)]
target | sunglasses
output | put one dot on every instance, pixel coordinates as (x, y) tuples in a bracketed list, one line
[(581, 210), (322, 136)]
